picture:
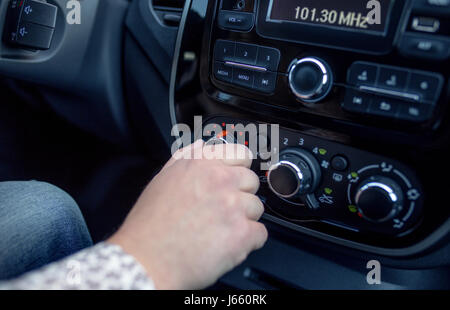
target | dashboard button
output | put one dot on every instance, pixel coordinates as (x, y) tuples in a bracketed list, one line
[(423, 47), (339, 163), (265, 81), (246, 53), (356, 102), (243, 77), (429, 85), (236, 20), (33, 35), (415, 112), (268, 58), (223, 72), (224, 50), (39, 13), (384, 107), (362, 74), (392, 78)]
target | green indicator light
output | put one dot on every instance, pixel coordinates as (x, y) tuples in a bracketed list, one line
[(354, 175), (328, 191), (352, 208), (322, 152)]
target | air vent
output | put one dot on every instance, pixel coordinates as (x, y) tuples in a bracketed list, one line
[(169, 11)]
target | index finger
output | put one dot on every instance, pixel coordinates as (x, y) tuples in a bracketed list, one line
[(229, 154)]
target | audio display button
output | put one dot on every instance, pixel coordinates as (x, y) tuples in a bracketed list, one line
[(223, 72), (224, 50), (243, 77), (265, 82), (246, 53), (239, 21), (268, 58)]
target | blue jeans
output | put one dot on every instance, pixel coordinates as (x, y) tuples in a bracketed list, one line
[(39, 224)]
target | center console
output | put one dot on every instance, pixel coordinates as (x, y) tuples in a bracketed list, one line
[(359, 91)]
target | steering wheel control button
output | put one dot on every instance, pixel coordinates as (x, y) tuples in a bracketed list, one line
[(39, 12), (362, 74), (34, 36), (356, 102), (310, 79), (268, 58), (31, 24), (339, 163), (379, 199), (265, 82), (224, 50), (246, 53), (239, 21), (223, 72)]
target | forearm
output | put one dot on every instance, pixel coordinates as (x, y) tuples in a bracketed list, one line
[(104, 266)]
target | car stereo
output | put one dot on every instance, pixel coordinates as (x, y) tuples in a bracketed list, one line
[(358, 61)]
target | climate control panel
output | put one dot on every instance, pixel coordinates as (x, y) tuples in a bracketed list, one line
[(312, 181)]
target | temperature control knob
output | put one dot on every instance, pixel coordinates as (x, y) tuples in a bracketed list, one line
[(310, 79), (379, 199), (297, 173)]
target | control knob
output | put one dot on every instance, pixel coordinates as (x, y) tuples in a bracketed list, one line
[(297, 173), (379, 199), (310, 79)]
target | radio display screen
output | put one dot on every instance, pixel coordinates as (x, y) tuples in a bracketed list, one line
[(356, 15)]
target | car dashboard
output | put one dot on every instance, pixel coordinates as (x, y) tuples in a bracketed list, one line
[(359, 110), (348, 113)]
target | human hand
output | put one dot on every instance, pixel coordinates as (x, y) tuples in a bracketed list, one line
[(197, 219)]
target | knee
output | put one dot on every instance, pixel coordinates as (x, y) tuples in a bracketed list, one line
[(51, 211), (41, 222)]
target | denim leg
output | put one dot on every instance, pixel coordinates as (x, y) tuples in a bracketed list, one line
[(39, 224)]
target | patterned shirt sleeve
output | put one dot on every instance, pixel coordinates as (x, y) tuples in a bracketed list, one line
[(102, 267)]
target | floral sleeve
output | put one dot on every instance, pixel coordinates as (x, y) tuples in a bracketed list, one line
[(102, 267)]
